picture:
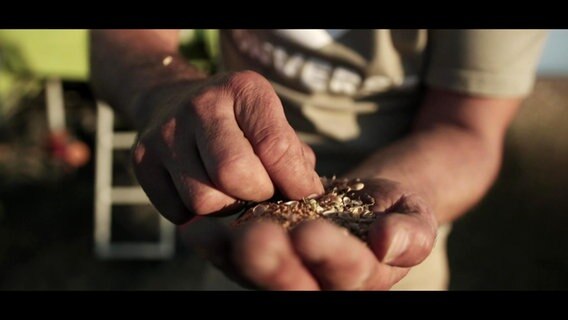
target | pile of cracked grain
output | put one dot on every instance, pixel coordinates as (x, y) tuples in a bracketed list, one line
[(344, 203)]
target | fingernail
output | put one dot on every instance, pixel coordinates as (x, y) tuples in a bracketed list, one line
[(397, 247)]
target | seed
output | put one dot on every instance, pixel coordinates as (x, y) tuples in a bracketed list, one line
[(342, 204), (258, 210), (357, 211), (337, 200), (328, 212), (356, 202), (367, 213), (358, 186)]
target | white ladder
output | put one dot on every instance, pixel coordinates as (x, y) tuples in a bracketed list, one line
[(107, 195)]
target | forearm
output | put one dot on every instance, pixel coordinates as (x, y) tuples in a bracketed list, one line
[(451, 159), (126, 64), (452, 168)]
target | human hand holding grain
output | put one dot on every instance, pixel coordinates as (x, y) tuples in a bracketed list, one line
[(451, 156), (318, 255), (213, 143)]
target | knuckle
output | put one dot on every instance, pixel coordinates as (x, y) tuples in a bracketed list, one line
[(281, 278), (204, 97), (259, 238), (155, 144), (307, 149), (246, 79), (207, 100), (212, 129), (167, 132), (307, 241), (256, 242), (303, 241), (206, 202), (138, 153), (252, 91), (276, 148), (238, 174), (171, 210), (308, 153), (145, 151), (229, 170)]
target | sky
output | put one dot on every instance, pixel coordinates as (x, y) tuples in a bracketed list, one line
[(555, 56)]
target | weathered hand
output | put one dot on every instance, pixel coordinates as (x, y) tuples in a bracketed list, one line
[(319, 255), (211, 143)]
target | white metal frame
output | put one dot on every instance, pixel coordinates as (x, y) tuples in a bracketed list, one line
[(107, 195), (55, 104)]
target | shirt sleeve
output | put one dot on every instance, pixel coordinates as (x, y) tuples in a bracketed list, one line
[(493, 63)]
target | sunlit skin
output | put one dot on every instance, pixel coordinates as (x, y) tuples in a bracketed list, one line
[(206, 143)]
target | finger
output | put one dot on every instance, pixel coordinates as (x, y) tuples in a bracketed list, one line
[(195, 188), (309, 155), (264, 254), (340, 261), (404, 239), (260, 114), (158, 186), (211, 239), (227, 155)]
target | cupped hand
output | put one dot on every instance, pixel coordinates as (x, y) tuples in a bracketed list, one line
[(212, 144), (318, 255)]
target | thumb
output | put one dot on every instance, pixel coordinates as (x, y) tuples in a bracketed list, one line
[(261, 117), (403, 239)]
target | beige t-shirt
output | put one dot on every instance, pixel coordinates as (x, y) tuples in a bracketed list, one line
[(350, 92)]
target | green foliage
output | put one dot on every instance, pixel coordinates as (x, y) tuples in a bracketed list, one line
[(29, 56), (201, 47)]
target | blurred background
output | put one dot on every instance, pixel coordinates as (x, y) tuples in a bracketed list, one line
[(70, 222)]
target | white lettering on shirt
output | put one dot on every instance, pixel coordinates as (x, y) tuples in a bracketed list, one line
[(376, 84), (315, 74), (344, 81), (286, 65)]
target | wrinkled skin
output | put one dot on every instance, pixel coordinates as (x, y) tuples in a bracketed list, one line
[(318, 255), (206, 142), (217, 140)]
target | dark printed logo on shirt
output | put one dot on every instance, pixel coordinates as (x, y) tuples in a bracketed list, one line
[(311, 72)]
